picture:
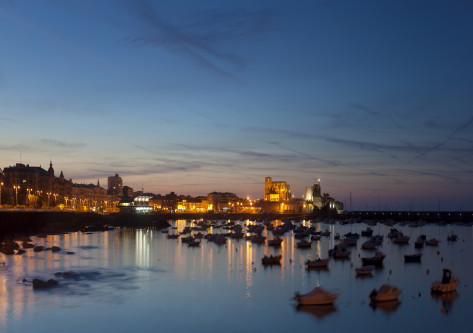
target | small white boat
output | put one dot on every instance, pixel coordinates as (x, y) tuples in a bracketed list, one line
[(365, 270), (385, 294), (448, 283), (318, 296)]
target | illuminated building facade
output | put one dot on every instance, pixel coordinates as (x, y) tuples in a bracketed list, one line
[(277, 197), (313, 196), (276, 191), (139, 204), (32, 186), (91, 197), (222, 201)]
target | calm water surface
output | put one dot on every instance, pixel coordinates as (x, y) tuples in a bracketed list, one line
[(140, 281)]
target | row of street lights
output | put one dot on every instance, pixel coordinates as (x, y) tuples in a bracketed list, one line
[(82, 202)]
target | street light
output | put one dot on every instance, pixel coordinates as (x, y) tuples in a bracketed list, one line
[(28, 190), (16, 194), (1, 186), (49, 193)]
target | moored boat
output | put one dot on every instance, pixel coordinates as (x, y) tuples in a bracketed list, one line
[(386, 293), (368, 232), (401, 239), (194, 243), (419, 243), (452, 238), (432, 242), (271, 260), (376, 260), (448, 284), (412, 257), (317, 263), (303, 244), (275, 242), (365, 270), (318, 296), (368, 245), (339, 252)]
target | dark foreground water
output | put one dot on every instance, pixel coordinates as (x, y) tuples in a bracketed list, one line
[(140, 281)]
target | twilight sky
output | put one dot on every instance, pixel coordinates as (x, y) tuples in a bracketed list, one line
[(373, 97)]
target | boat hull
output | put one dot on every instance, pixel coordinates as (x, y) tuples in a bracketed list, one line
[(441, 288)]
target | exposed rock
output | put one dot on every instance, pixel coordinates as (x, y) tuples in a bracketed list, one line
[(28, 245), (70, 252), (55, 249), (7, 251), (20, 251), (9, 247), (40, 284), (38, 248)]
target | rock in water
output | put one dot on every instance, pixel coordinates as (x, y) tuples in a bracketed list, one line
[(40, 284), (20, 251), (38, 248), (55, 249)]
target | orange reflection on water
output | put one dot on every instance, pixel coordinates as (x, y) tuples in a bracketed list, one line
[(249, 268), (3, 299)]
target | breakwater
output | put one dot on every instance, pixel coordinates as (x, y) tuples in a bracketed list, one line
[(428, 216)]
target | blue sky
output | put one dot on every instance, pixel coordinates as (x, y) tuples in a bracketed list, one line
[(373, 97)]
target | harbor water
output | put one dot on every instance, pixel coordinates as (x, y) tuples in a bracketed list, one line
[(138, 280)]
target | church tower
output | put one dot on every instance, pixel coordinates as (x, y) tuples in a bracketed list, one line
[(51, 170)]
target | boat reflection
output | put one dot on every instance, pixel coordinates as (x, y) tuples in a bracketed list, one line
[(447, 300), (318, 311), (386, 307)]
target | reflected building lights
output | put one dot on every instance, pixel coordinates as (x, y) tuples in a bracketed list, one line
[(249, 268)]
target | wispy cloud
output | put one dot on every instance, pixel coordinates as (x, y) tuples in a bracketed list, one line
[(10, 120), (442, 143), (62, 144), (201, 37)]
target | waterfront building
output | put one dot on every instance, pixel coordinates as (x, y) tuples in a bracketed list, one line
[(193, 205), (139, 204), (277, 197), (276, 191), (115, 185), (222, 201), (312, 196), (127, 192), (34, 186)]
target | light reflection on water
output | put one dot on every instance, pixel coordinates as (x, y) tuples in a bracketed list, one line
[(140, 280)]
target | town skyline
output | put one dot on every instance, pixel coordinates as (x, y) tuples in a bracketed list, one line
[(347, 203), (198, 97)]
